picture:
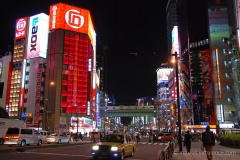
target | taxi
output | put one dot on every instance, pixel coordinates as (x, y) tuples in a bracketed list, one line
[(114, 146)]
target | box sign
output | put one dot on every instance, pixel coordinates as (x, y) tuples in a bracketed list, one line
[(37, 36), (21, 28), (226, 125), (200, 126), (67, 17)]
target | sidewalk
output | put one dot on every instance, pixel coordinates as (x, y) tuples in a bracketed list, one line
[(219, 153)]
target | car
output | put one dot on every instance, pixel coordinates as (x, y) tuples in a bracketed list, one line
[(58, 138), (22, 136), (114, 146), (166, 136), (44, 135)]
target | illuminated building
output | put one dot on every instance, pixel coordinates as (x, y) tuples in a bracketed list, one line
[(70, 88), (24, 96), (206, 95), (5, 70)]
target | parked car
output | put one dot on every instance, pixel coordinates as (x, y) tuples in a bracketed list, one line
[(22, 136), (58, 138), (114, 146)]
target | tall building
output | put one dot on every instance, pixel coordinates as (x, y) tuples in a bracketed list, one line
[(5, 70), (25, 86), (70, 88), (206, 87), (171, 22)]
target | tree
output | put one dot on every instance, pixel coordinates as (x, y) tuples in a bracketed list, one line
[(3, 113)]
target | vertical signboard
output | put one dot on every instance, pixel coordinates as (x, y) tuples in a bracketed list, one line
[(37, 36), (21, 28), (208, 86)]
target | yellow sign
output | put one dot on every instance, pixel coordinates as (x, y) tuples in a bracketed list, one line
[(29, 114), (200, 126)]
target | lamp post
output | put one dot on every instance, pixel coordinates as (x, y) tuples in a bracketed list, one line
[(178, 104), (49, 109)]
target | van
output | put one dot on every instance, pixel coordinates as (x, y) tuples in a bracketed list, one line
[(22, 136), (44, 134), (5, 123)]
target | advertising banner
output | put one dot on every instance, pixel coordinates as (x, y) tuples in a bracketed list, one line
[(208, 87), (162, 75), (21, 28), (37, 36)]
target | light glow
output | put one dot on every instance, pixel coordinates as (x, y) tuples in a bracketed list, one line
[(95, 148), (114, 148)]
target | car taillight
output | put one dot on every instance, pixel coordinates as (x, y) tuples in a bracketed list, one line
[(15, 137), (6, 137)]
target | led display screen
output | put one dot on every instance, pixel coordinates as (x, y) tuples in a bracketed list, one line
[(37, 36), (21, 28), (162, 75), (75, 77), (175, 44)]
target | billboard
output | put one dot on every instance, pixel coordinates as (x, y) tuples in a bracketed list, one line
[(162, 75), (208, 86), (37, 36), (21, 28), (67, 17), (175, 44)]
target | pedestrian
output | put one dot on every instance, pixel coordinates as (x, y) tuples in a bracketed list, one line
[(138, 137), (81, 136), (150, 136), (93, 137), (208, 141), (187, 141)]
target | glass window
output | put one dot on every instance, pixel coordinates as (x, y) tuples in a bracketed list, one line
[(13, 131), (26, 131)]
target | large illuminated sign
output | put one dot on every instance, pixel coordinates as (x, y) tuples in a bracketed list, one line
[(67, 17), (21, 28), (162, 75), (175, 44), (37, 36)]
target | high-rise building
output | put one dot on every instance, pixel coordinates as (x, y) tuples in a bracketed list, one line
[(5, 70), (70, 88), (206, 94)]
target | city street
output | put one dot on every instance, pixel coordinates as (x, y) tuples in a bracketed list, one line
[(145, 151)]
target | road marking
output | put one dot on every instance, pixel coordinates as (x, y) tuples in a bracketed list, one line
[(56, 154)]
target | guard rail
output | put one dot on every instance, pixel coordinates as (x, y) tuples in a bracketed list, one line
[(167, 153)]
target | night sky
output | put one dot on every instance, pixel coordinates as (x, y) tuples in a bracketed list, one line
[(125, 26)]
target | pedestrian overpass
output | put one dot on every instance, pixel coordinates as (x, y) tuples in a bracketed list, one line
[(128, 111)]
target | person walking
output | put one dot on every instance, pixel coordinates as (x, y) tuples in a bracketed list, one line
[(187, 141), (138, 137), (81, 136), (208, 141)]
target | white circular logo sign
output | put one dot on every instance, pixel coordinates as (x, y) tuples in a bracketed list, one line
[(74, 19), (21, 24)]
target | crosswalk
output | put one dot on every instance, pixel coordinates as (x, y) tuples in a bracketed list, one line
[(148, 143)]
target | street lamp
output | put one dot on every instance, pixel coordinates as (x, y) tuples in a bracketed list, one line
[(49, 105), (178, 103)]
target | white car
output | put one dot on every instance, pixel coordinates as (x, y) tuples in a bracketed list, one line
[(58, 138)]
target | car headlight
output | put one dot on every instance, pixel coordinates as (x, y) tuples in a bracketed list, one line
[(95, 147), (114, 148)]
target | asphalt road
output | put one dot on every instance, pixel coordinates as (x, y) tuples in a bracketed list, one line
[(145, 151)]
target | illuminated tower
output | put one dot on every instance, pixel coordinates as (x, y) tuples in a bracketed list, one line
[(71, 67)]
